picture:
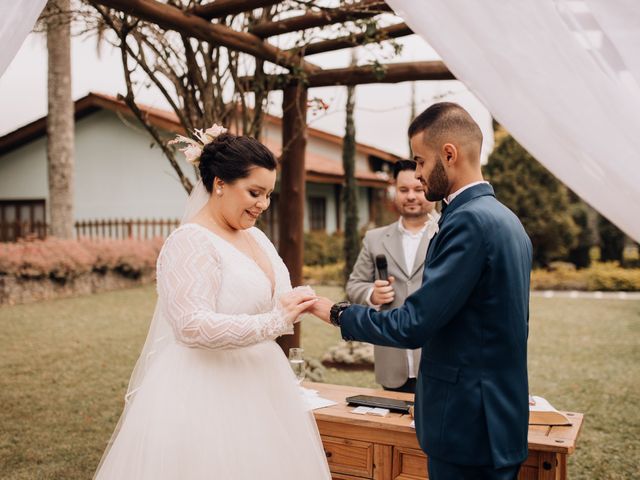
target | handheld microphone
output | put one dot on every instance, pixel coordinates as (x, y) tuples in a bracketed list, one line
[(381, 265)]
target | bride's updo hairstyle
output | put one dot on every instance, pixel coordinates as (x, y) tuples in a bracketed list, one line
[(231, 157)]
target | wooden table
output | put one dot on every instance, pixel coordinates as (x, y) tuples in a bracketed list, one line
[(382, 448)]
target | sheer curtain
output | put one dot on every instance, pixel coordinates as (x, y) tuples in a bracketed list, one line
[(17, 18), (563, 76)]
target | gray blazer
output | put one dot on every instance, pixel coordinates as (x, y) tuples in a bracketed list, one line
[(391, 365)]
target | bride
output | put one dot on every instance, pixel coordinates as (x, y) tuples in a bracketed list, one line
[(212, 395)]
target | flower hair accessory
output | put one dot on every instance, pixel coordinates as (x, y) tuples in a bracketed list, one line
[(193, 149)]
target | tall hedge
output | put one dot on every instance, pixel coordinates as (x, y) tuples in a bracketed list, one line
[(536, 197)]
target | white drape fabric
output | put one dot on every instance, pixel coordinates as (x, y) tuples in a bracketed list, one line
[(17, 19), (562, 76)]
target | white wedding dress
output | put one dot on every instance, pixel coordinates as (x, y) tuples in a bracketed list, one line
[(220, 400)]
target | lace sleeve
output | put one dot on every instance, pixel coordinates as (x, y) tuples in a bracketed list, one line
[(188, 282)]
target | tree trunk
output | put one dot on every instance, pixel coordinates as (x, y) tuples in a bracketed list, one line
[(612, 241), (351, 237), (60, 120)]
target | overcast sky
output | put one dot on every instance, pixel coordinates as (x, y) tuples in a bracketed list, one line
[(382, 111)]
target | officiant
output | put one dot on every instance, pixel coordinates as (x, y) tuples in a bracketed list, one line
[(404, 245)]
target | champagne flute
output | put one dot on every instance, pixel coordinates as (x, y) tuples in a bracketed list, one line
[(296, 360)]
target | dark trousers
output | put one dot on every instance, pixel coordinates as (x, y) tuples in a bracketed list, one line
[(408, 387), (439, 470)]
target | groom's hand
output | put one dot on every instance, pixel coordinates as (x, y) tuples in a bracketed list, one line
[(322, 308), (297, 302)]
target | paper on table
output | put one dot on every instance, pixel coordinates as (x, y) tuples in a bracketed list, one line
[(315, 401), (362, 410), (382, 412)]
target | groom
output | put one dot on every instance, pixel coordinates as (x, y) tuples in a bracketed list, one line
[(470, 315)]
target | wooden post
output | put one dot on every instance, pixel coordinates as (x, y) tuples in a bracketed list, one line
[(338, 199), (291, 199)]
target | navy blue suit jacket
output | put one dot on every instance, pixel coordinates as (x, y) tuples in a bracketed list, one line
[(471, 318)]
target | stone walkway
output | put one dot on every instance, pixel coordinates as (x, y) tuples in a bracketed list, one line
[(578, 294)]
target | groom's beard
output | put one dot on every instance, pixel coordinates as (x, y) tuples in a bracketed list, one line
[(437, 183)]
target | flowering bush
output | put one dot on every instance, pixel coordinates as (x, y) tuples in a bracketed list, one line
[(349, 354), (65, 259)]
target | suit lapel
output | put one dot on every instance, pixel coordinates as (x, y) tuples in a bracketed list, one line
[(392, 243), (468, 195), (427, 238)]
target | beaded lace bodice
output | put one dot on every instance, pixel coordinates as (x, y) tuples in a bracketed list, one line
[(214, 296)]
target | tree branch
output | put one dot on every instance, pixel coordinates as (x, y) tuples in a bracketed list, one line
[(172, 18), (153, 131)]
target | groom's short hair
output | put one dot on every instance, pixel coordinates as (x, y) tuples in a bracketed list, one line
[(447, 121)]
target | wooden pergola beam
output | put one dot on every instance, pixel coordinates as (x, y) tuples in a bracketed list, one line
[(391, 73), (361, 9), (221, 8), (349, 41), (172, 18)]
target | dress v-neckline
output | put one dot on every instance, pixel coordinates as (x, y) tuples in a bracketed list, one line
[(272, 283)]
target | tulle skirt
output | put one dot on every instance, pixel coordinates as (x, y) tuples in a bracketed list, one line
[(217, 414)]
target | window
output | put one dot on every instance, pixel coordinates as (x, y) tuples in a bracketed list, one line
[(318, 212), (22, 218)]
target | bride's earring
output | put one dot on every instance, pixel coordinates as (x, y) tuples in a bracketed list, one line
[(219, 192)]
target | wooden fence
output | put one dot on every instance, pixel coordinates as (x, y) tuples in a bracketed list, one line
[(116, 228), (120, 228)]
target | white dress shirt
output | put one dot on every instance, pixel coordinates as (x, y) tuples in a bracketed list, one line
[(450, 198), (410, 243)]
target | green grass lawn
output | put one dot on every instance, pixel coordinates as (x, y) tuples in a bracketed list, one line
[(64, 366)]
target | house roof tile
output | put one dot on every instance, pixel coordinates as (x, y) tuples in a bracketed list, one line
[(318, 167)]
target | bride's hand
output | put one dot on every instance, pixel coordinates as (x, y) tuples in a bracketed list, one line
[(296, 302), (322, 309)]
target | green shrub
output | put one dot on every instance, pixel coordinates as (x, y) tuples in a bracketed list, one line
[(558, 278), (609, 276), (320, 248), (323, 274), (601, 276)]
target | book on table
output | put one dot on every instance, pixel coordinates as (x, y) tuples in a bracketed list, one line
[(541, 412)]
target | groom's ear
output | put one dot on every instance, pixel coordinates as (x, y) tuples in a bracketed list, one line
[(450, 154)]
